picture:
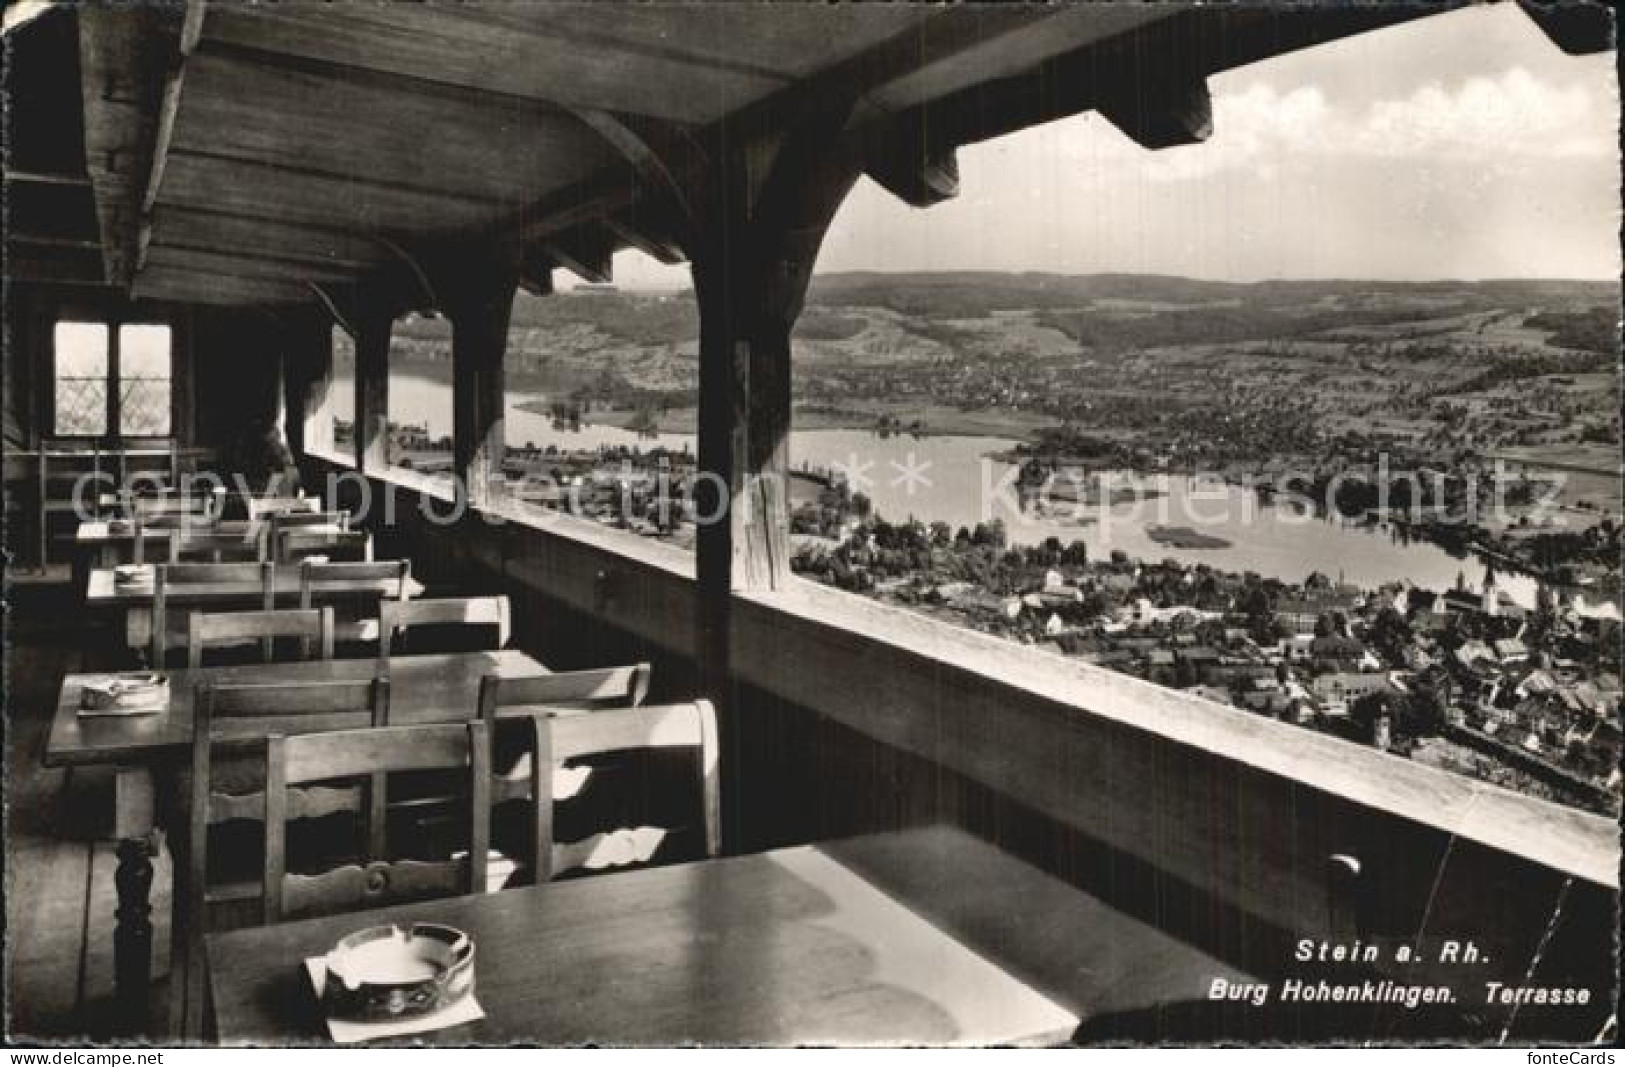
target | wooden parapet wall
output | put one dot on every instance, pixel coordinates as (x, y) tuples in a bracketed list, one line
[(1248, 812)]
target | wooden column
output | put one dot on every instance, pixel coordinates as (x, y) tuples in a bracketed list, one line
[(373, 327), (307, 367), (478, 298), (755, 239)]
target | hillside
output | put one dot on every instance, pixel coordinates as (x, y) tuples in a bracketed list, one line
[(1174, 362)]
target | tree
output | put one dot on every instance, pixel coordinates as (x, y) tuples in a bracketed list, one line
[(1390, 635)]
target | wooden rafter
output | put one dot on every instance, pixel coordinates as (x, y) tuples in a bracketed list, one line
[(586, 253)]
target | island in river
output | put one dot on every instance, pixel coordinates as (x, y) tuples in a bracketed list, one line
[(1184, 537)]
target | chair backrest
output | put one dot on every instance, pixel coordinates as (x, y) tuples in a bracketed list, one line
[(515, 699), (290, 520), (560, 738), (262, 507), (161, 531), (313, 628), (490, 613), (148, 507), (293, 544), (246, 544), (253, 712), (620, 687), (256, 580), (337, 579), (238, 715), (371, 753)]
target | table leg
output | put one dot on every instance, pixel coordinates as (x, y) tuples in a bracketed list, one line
[(135, 826), (138, 633), (132, 937)]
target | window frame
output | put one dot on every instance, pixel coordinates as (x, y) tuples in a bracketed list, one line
[(112, 429)]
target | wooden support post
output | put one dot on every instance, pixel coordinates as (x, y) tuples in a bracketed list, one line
[(478, 297), (373, 327), (307, 368), (752, 247)]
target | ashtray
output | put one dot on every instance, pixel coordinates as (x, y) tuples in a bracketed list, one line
[(386, 972), (131, 573), (125, 692)]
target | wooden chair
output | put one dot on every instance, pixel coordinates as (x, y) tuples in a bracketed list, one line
[(353, 590), (561, 738), (256, 580), (142, 506), (307, 522), (313, 629), (490, 617), (370, 753), (245, 545), (260, 507), (227, 720), (298, 543), (58, 486), (163, 528)]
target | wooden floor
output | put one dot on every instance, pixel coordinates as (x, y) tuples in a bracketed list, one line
[(59, 854)]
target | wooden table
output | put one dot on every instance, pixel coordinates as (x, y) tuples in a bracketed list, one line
[(145, 749), (134, 600), (805, 945)]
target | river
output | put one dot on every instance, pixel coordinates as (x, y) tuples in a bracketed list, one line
[(955, 480)]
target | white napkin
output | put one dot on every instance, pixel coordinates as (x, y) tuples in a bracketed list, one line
[(346, 1032)]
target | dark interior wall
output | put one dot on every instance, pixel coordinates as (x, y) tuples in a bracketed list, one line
[(17, 370), (31, 314), (227, 363), (237, 362)]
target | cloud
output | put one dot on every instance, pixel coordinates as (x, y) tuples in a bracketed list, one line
[(1261, 128), (1516, 113)]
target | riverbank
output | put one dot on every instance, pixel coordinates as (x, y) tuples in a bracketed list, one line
[(890, 420)]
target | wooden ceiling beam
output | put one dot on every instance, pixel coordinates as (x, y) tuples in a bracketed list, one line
[(227, 231), (274, 169), (446, 47), (1578, 29), (125, 55), (1162, 114), (322, 200), (247, 264), (352, 70), (45, 240), (652, 240), (35, 177), (205, 287), (1183, 49), (536, 272), (587, 253), (918, 179)]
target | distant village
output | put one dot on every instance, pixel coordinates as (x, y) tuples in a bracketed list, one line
[(1464, 678)]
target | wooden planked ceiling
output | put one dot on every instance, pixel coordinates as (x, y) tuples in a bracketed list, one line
[(240, 151), (302, 129), (686, 63), (406, 134)]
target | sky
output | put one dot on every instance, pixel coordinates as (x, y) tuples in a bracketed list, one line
[(1465, 145)]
